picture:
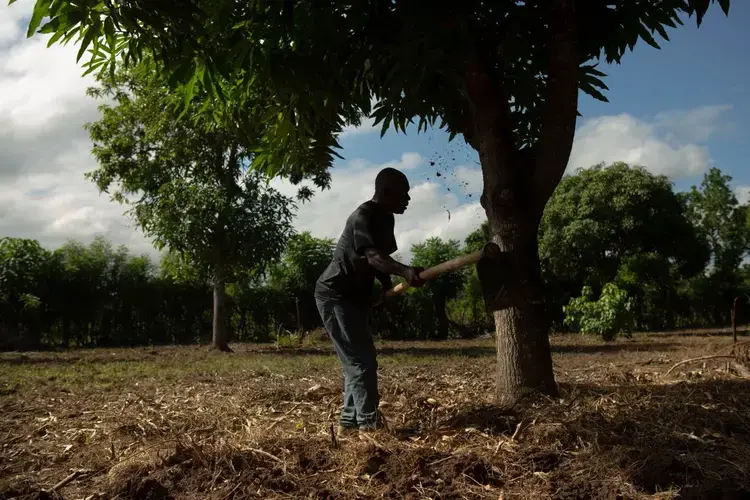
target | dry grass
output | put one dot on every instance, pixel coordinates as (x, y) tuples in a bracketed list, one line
[(181, 422)]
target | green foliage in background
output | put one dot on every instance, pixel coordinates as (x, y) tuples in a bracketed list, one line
[(608, 316), (635, 278)]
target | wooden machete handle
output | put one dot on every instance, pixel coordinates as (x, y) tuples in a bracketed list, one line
[(434, 271)]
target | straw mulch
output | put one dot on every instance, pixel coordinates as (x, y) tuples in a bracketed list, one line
[(638, 425)]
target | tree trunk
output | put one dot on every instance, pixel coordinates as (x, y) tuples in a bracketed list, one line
[(518, 181), (439, 305), (66, 333), (513, 202), (220, 330), (524, 358), (241, 324)]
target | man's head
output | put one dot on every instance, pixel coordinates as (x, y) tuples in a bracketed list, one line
[(392, 190)]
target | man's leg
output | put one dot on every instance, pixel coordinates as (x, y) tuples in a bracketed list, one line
[(348, 418), (355, 347), (349, 412), (362, 366)]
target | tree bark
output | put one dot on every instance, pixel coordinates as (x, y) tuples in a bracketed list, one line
[(517, 185), (66, 333), (220, 329), (439, 304), (524, 358)]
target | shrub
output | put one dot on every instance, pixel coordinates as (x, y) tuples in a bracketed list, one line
[(609, 316)]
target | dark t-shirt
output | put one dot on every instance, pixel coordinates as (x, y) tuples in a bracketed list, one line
[(349, 275)]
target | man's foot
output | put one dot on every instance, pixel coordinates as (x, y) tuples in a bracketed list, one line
[(344, 431), (379, 423)]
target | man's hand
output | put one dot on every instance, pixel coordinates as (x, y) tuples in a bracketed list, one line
[(385, 264), (412, 276)]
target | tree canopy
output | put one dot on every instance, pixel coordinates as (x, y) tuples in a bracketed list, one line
[(599, 219), (443, 288), (99, 294), (186, 181), (714, 210), (264, 60), (287, 76), (624, 226)]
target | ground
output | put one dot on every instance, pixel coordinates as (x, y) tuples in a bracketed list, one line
[(185, 422)]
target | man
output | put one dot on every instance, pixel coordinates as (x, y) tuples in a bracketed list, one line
[(344, 298)]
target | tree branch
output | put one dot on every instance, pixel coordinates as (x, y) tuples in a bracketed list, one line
[(492, 133), (488, 104), (552, 152)]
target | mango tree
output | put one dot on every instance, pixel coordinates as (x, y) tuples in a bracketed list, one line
[(505, 74), (187, 183), (622, 225), (303, 261), (24, 272), (440, 290)]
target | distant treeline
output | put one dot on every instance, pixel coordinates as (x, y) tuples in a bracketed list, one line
[(619, 247)]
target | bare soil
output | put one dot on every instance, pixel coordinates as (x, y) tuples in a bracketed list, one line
[(188, 423)]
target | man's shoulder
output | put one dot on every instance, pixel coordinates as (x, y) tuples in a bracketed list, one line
[(363, 211), (370, 210)]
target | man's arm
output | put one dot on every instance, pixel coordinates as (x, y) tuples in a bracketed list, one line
[(383, 263), (364, 243), (384, 279), (387, 265)]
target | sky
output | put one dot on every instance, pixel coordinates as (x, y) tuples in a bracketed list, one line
[(677, 111)]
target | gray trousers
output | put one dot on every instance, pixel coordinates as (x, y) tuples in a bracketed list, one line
[(348, 325)]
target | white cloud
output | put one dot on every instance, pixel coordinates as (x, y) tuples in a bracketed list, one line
[(431, 212), (469, 179), (367, 126), (693, 125), (742, 193), (670, 145), (11, 27), (44, 150), (44, 153)]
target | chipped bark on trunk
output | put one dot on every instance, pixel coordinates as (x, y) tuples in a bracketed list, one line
[(524, 360), (517, 185)]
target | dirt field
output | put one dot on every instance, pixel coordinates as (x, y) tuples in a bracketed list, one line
[(181, 422)]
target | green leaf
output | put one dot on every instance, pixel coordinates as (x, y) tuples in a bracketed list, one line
[(41, 10), (593, 92), (91, 32), (591, 69), (54, 38), (647, 37), (660, 28), (386, 123), (184, 72), (53, 26), (240, 51), (701, 7), (93, 66), (109, 31)]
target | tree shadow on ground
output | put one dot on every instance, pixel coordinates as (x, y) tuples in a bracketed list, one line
[(614, 347), (699, 332), (434, 350), (693, 436)]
